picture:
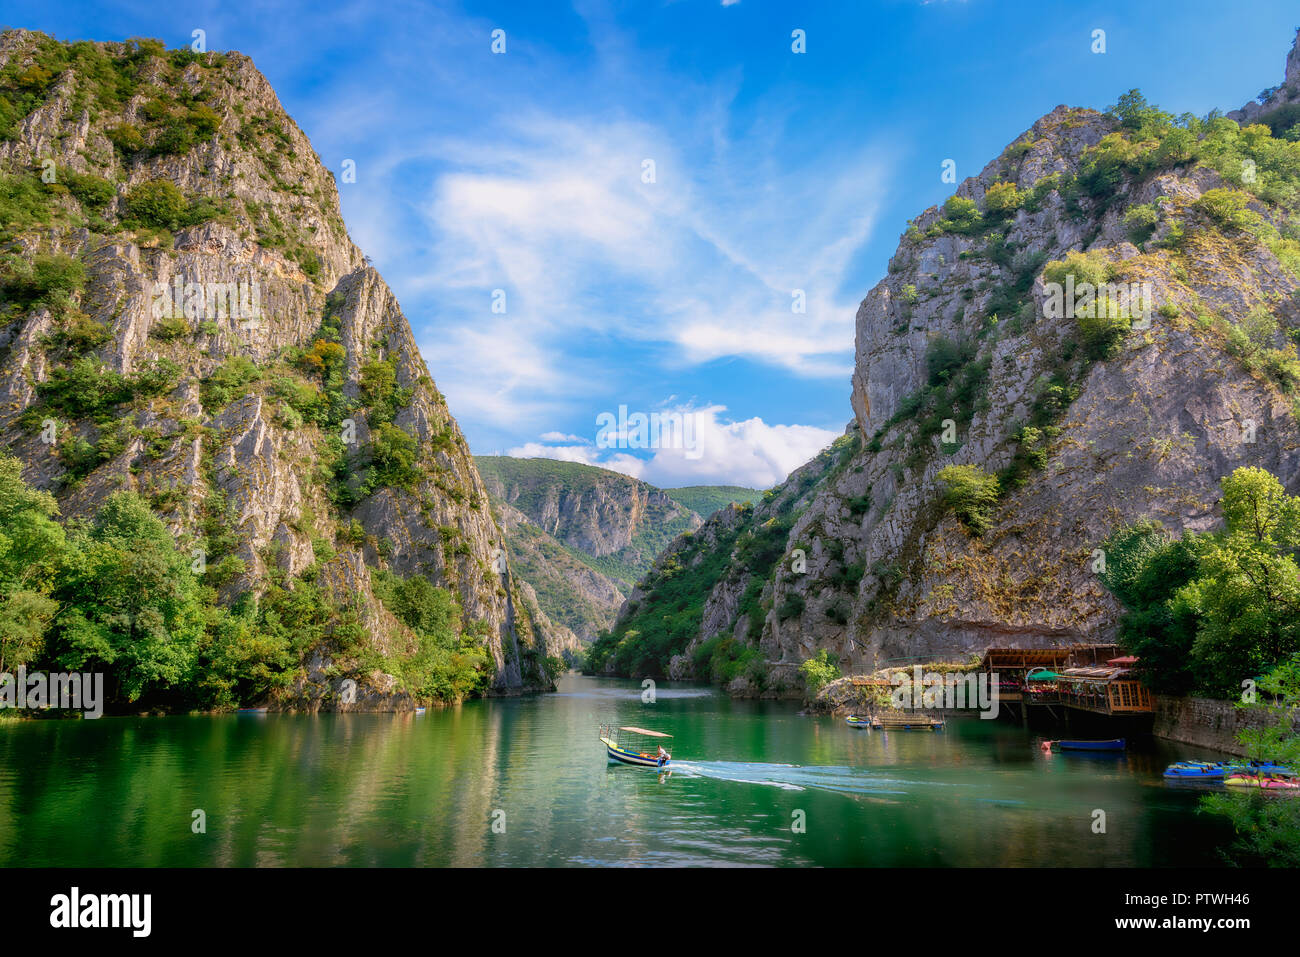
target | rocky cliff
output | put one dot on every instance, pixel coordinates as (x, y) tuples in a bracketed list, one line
[(186, 317), (1072, 422)]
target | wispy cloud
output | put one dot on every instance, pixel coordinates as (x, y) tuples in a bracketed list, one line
[(679, 271)]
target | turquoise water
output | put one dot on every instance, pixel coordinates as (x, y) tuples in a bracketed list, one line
[(402, 790)]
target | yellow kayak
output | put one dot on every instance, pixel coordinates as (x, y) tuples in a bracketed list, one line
[(1266, 781)]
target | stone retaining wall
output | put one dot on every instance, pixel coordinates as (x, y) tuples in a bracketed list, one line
[(1206, 722)]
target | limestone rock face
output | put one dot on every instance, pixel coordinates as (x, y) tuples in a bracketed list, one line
[(295, 495)]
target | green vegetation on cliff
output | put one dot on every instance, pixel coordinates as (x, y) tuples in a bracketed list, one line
[(819, 671), (667, 617), (971, 493), (301, 451), (119, 595), (557, 573)]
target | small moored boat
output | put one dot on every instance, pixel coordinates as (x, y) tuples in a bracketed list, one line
[(638, 747), (853, 721), (1217, 770), (1112, 744), (1269, 782), (1203, 771)]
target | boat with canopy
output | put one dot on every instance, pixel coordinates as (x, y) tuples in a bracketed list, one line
[(639, 747)]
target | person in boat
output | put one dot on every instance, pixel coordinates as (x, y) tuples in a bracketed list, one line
[(662, 755)]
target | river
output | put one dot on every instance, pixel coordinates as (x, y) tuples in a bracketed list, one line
[(510, 782)]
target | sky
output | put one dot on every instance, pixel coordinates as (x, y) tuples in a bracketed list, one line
[(657, 212)]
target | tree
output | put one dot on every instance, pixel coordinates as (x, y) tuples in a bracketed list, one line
[(1138, 116), (1145, 565), (819, 670), (944, 357), (45, 279), (1246, 595), (961, 215), (425, 607), (1002, 199), (394, 453), (1228, 209), (157, 203), (1254, 503), (378, 382), (1102, 329), (970, 493), (1268, 830), (131, 605), (242, 656), (32, 549), (1207, 611)]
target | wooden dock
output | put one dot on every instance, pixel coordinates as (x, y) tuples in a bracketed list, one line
[(904, 721)]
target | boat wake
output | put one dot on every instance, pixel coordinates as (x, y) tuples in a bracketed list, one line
[(792, 777)]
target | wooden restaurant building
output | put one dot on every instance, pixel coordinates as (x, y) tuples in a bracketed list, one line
[(1093, 678)]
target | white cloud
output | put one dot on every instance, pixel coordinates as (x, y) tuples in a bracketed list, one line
[(560, 437), (751, 453)]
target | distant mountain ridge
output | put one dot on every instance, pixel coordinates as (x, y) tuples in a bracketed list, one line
[(581, 535), (704, 500)]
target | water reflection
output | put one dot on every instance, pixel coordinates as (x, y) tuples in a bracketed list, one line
[(401, 790)]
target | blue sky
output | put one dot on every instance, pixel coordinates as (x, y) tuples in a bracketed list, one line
[(773, 172)]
